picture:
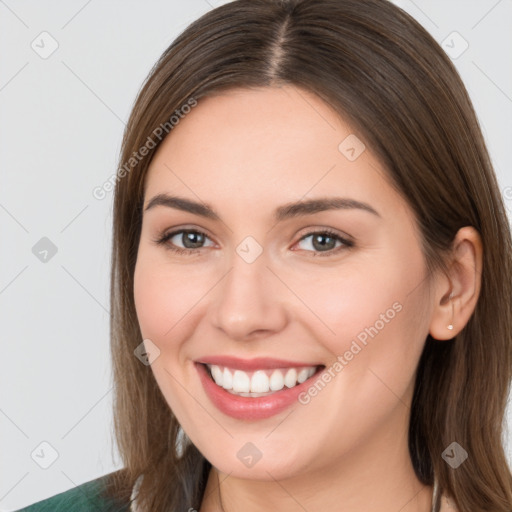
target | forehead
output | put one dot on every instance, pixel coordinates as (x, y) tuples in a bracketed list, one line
[(260, 123), (254, 146)]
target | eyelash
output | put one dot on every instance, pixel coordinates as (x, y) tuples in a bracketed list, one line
[(347, 244)]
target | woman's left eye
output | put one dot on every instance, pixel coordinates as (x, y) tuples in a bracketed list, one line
[(325, 242), (192, 241)]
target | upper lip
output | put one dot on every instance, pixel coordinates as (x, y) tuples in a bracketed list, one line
[(258, 363)]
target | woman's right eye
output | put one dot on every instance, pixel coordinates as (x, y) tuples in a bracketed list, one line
[(190, 239)]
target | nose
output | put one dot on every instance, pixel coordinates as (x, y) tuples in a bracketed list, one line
[(248, 303)]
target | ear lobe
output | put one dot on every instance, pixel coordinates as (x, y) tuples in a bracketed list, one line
[(457, 292), (443, 323)]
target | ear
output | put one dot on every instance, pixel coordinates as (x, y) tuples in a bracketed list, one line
[(457, 292)]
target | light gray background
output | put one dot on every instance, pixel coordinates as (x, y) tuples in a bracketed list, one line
[(61, 125)]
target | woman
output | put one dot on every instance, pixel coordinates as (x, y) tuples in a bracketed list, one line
[(310, 275)]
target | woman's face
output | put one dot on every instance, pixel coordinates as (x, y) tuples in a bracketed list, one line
[(257, 287)]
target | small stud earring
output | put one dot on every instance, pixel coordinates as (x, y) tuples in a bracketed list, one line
[(450, 326)]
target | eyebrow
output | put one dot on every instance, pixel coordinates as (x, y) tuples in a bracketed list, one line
[(287, 211)]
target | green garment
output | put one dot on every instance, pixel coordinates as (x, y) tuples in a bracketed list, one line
[(83, 498)]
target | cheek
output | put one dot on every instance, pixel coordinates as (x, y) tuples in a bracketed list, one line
[(380, 321), (375, 311), (166, 297), (151, 301), (167, 309), (348, 298)]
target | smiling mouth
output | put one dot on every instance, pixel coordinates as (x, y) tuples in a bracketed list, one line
[(262, 382)]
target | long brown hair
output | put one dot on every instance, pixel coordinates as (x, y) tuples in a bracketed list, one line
[(383, 73)]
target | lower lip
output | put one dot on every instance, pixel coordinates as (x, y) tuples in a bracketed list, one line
[(245, 408)]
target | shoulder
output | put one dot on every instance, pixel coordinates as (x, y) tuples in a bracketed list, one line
[(87, 497)]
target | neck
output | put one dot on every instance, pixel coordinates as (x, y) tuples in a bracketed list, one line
[(378, 475)]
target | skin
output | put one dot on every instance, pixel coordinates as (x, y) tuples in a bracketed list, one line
[(247, 152)]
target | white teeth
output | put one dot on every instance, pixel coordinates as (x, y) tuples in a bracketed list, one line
[(241, 381), (290, 379), (217, 375), (227, 379), (303, 375), (261, 381), (276, 380)]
